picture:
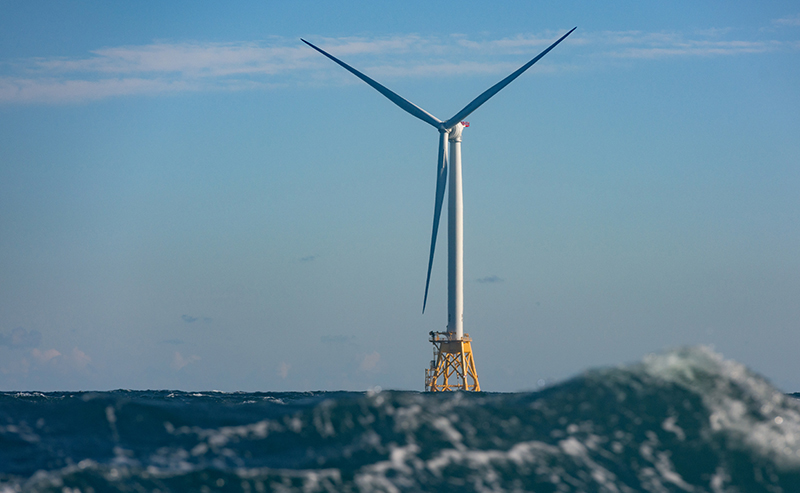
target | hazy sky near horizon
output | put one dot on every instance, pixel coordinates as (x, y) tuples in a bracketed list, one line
[(190, 198)]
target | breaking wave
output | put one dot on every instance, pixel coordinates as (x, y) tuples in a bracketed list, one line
[(685, 420)]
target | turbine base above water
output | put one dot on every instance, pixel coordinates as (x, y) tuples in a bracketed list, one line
[(453, 364)]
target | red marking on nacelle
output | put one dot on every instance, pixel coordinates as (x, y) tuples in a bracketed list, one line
[(466, 124)]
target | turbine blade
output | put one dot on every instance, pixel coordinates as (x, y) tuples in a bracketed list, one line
[(393, 96), (500, 85), (441, 182)]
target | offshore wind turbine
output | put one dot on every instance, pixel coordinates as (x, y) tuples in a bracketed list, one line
[(452, 349)]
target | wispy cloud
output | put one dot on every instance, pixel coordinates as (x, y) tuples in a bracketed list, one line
[(45, 356), (76, 359), (49, 89), (180, 361), (792, 20), (192, 59), (163, 68), (80, 359), (174, 342), (489, 280), (283, 369), (149, 69), (47, 363), (370, 362), (21, 338), (675, 45), (337, 339), (516, 44)]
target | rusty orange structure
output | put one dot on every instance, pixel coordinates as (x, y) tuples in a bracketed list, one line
[(452, 366)]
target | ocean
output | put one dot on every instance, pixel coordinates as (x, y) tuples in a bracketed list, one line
[(685, 420)]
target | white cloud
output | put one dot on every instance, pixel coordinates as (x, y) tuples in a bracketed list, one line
[(44, 356), (179, 361), (190, 59), (521, 43), (792, 20), (283, 369), (50, 90), (708, 42), (45, 365), (396, 44), (444, 69), (698, 48), (75, 359), (370, 361), (162, 68), (714, 31), (80, 359), (21, 338)]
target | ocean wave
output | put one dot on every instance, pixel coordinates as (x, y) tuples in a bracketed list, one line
[(684, 420)]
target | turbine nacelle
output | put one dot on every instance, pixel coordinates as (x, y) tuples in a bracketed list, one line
[(442, 128), (455, 132)]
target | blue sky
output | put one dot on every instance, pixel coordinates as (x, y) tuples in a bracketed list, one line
[(191, 198)]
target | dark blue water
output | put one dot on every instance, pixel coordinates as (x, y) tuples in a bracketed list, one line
[(681, 421)]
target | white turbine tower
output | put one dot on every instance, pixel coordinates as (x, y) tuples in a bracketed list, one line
[(452, 349)]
